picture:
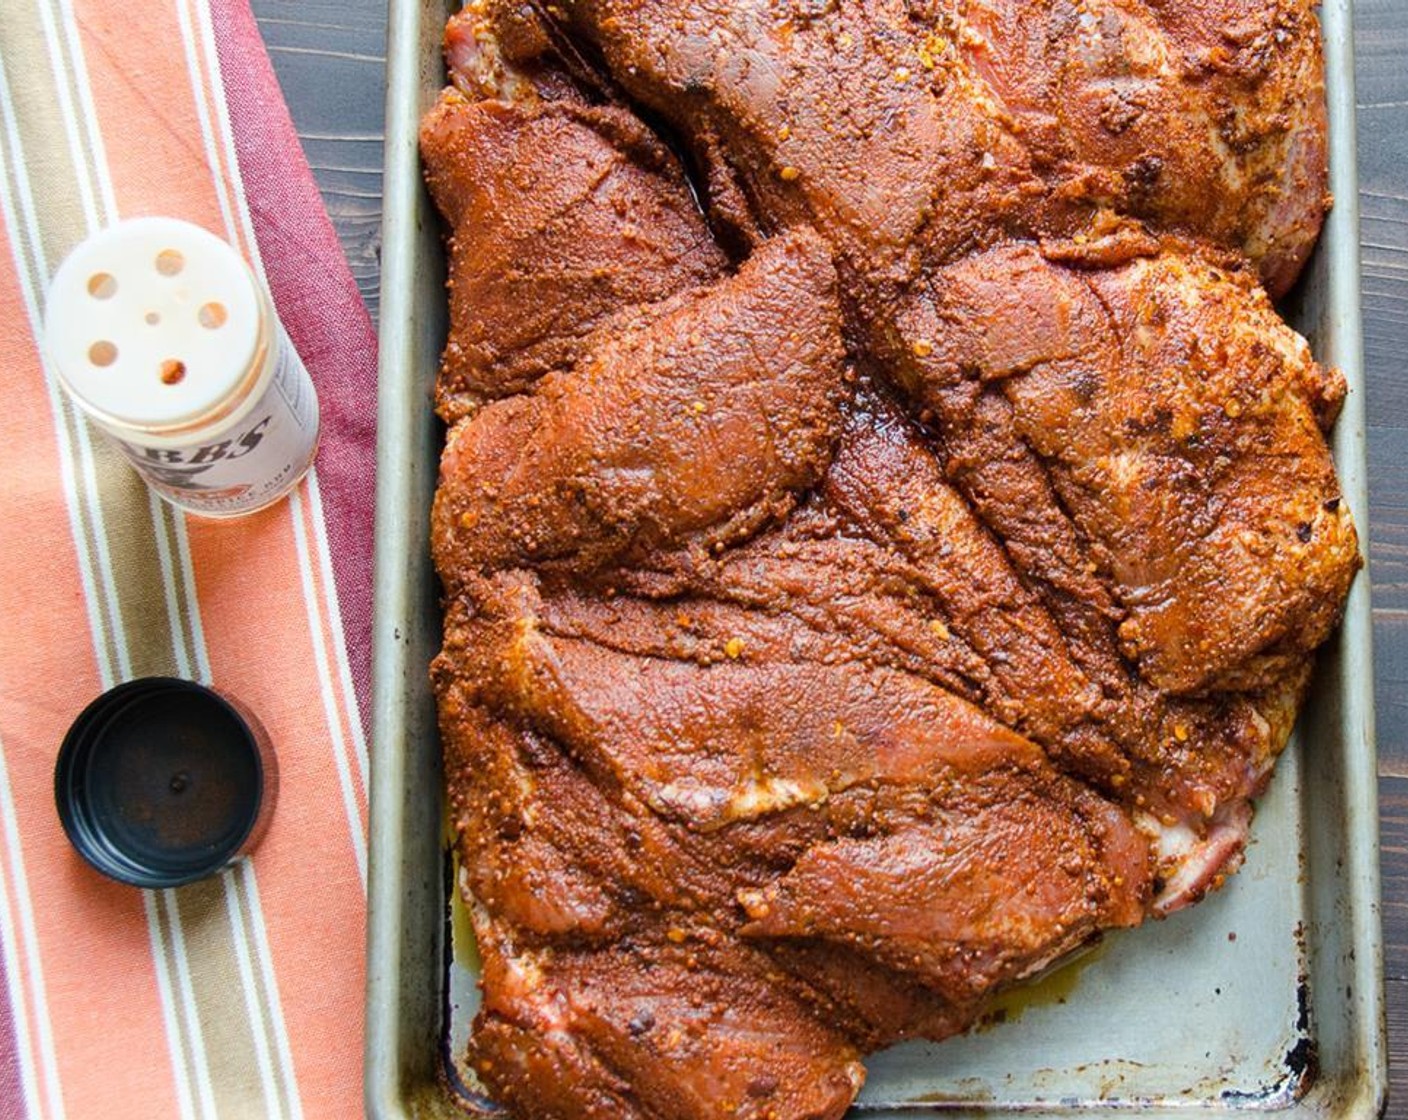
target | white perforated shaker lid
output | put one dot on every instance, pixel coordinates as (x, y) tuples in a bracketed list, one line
[(152, 322)]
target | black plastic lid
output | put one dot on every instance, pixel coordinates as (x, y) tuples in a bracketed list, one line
[(161, 782)]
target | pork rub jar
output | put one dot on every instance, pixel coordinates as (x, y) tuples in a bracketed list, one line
[(163, 336)]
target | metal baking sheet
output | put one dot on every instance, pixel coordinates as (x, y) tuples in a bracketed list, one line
[(1266, 997)]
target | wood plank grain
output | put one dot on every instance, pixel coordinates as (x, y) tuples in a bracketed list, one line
[(1388, 559), (1393, 854), (1397, 1028), (330, 61), (1381, 41)]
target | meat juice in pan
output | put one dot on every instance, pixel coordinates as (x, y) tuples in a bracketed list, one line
[(845, 626)]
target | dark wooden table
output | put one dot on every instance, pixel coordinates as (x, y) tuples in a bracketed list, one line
[(329, 54)]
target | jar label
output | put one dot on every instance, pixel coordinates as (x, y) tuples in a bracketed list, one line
[(253, 463)]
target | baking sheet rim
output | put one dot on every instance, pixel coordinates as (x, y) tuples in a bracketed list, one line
[(405, 894)]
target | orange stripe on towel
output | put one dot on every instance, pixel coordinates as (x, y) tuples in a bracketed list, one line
[(255, 617), (94, 950)]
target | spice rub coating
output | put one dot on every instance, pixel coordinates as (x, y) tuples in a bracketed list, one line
[(885, 525)]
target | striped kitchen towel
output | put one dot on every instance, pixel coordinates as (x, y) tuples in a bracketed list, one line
[(240, 996)]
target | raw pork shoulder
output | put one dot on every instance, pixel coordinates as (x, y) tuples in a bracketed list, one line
[(885, 525)]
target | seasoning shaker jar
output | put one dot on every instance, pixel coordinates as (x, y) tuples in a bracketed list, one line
[(161, 334)]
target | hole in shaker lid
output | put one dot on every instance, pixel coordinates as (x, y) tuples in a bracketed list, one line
[(102, 285), (102, 353), (212, 315), (169, 262), (173, 372)]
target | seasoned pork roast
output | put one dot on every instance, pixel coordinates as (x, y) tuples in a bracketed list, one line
[(885, 525)]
